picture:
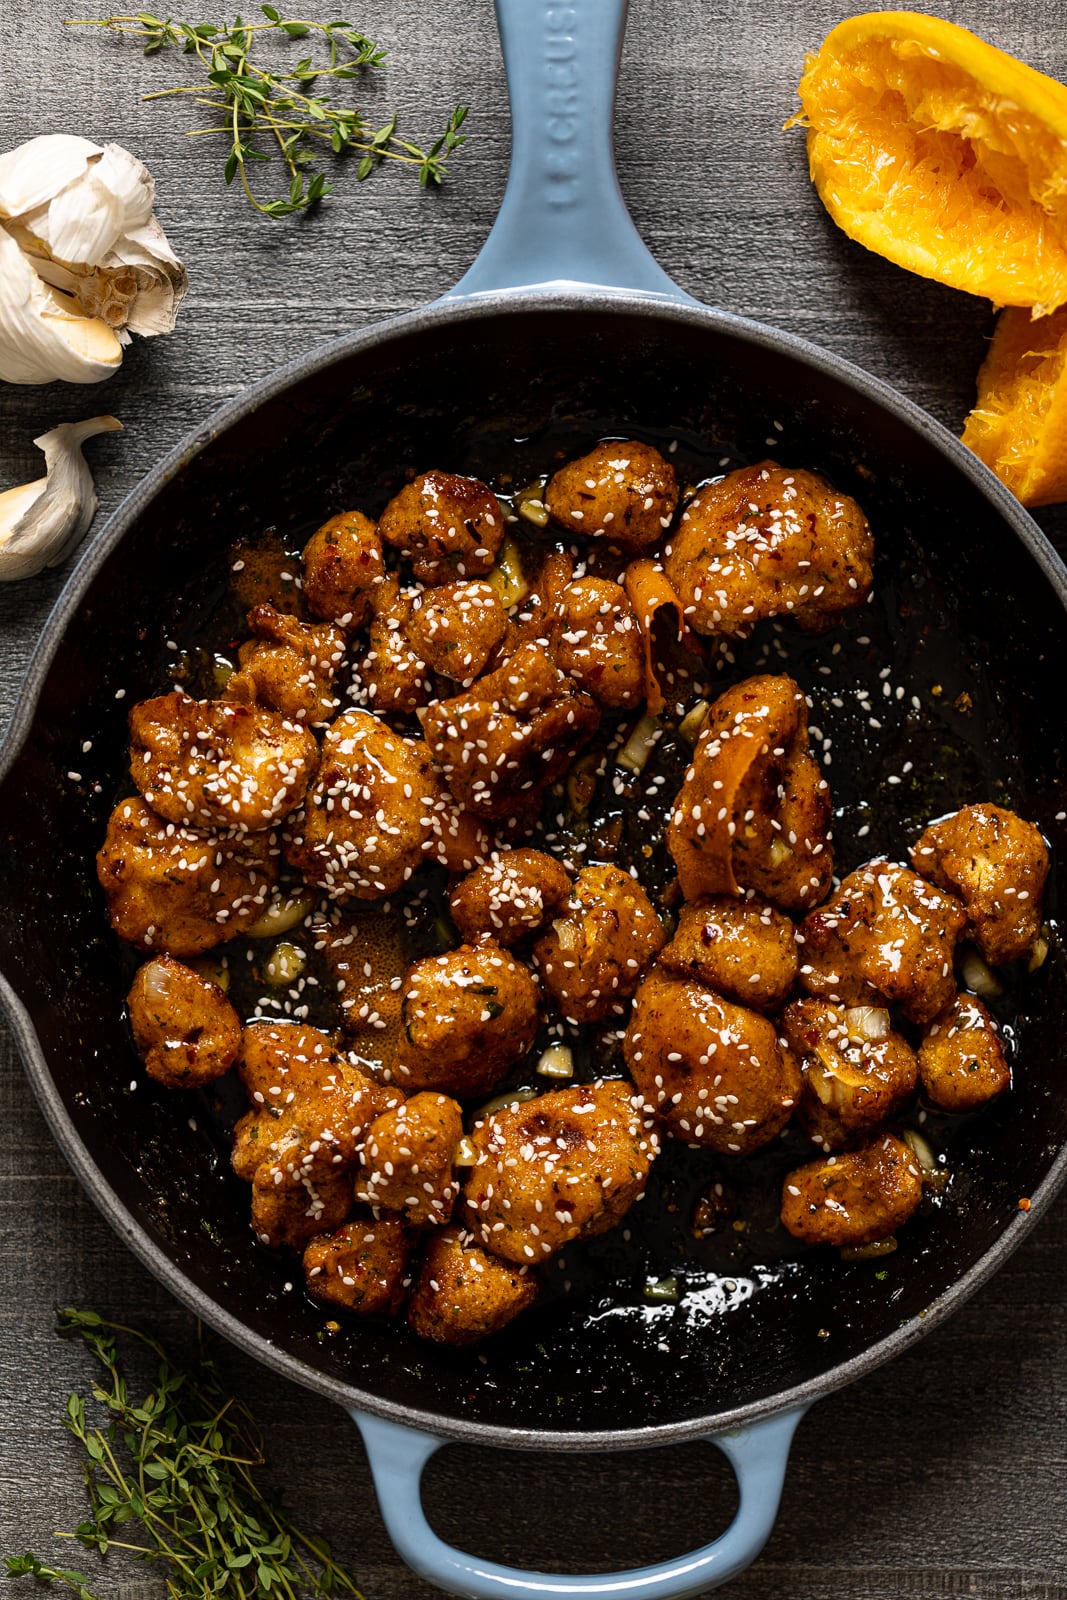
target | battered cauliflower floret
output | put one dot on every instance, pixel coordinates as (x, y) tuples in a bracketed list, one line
[(856, 1198), (593, 954), (564, 1166), (462, 1295), (766, 541), (343, 567), (362, 1267), (448, 526), (997, 864), (622, 490), (511, 734), (456, 627), (884, 934), (287, 1213), (743, 949), (510, 896), (598, 643), (186, 1031), (468, 1017), (171, 889), (854, 1065), (375, 812), (961, 1061), (289, 666), (716, 1074), (754, 809), (392, 673), (213, 764), (311, 1106), (407, 1159)]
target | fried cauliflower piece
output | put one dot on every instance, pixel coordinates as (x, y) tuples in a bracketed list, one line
[(186, 1031), (754, 809), (287, 1213), (375, 812), (766, 541), (362, 1267), (393, 674), (467, 1017), (511, 734), (208, 763), (311, 1106), (407, 1160), (592, 955), (509, 896), (716, 1074), (598, 643), (997, 864), (885, 933), (289, 666), (961, 1061), (343, 567), (171, 889), (853, 1199), (854, 1065), (563, 1166), (456, 627), (463, 1295), (743, 949), (621, 490), (448, 526)]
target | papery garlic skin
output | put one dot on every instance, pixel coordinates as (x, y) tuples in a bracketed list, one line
[(81, 217), (41, 522)]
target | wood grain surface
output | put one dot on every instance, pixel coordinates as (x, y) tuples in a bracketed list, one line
[(944, 1474)]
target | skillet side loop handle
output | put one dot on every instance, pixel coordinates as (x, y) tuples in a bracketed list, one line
[(563, 219), (757, 1454)]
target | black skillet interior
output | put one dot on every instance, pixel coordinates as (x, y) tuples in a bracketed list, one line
[(965, 630)]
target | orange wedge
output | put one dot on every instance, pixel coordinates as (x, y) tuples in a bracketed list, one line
[(1019, 422), (944, 154)]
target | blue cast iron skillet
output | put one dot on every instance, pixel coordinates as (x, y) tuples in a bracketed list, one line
[(564, 329)]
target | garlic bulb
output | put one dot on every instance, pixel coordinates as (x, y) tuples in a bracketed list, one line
[(41, 522), (83, 262)]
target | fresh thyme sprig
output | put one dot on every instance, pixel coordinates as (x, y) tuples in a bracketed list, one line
[(181, 1462), (254, 102)]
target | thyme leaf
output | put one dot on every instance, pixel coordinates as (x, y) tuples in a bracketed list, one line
[(286, 110), (179, 1467)]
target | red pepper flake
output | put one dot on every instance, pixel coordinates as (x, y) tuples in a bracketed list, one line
[(1024, 1204)]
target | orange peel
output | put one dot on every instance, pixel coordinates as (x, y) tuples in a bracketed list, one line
[(942, 153)]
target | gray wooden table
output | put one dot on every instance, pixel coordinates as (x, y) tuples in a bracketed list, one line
[(945, 1473)]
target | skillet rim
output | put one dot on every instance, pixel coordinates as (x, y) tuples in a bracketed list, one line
[(552, 298)]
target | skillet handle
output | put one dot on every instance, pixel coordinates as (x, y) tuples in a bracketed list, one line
[(563, 219), (757, 1454)]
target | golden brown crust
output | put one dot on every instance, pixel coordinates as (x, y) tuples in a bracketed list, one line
[(285, 1215), (997, 864), (716, 1074), (169, 888), (602, 938), (563, 1166), (185, 1029), (406, 1162), (462, 1295), (456, 627), (448, 527), (598, 643), (621, 490), (362, 1267), (961, 1060), (343, 567), (743, 949), (886, 933), (768, 541), (289, 666), (393, 674), (510, 896), (855, 1198), (860, 1081), (468, 1017)]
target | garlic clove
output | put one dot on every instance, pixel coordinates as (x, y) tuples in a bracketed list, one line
[(41, 522), (44, 334), (34, 172)]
